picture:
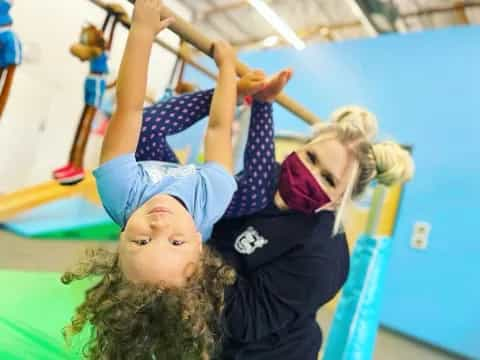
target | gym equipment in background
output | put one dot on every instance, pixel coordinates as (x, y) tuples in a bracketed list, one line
[(10, 52), (93, 47)]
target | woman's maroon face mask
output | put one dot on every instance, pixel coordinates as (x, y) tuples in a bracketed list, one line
[(299, 188)]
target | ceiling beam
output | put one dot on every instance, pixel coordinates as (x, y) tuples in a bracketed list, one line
[(223, 8), (327, 33), (307, 33), (440, 9), (232, 20), (425, 11), (416, 13), (377, 16), (234, 5), (363, 15), (461, 13), (210, 23)]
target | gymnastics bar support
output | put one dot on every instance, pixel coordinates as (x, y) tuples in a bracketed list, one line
[(188, 33)]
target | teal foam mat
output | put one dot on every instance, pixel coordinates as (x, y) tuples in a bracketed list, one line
[(71, 217)]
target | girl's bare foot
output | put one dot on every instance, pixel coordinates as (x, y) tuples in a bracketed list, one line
[(251, 83), (274, 86)]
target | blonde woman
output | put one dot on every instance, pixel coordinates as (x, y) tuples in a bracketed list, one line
[(292, 257)]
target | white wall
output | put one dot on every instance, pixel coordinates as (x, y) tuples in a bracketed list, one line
[(46, 100)]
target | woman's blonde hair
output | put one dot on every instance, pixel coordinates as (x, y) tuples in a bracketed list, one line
[(149, 322), (387, 162)]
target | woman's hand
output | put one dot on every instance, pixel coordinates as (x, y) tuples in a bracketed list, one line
[(147, 15)]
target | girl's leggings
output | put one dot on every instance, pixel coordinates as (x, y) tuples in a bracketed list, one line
[(256, 182)]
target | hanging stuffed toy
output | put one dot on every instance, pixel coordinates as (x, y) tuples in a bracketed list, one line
[(10, 52), (94, 48)]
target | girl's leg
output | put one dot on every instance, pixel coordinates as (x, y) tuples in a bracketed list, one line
[(168, 118), (256, 183)]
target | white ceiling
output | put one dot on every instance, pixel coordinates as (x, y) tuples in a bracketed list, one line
[(324, 20)]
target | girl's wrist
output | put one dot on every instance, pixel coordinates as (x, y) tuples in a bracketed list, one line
[(227, 66), (143, 30)]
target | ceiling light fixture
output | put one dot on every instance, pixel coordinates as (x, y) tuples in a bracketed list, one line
[(278, 23), (270, 41)]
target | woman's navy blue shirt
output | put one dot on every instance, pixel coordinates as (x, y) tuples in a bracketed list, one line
[(288, 266)]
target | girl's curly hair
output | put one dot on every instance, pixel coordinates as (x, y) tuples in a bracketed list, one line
[(132, 321)]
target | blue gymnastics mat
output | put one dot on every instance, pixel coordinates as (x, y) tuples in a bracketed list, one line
[(73, 217)]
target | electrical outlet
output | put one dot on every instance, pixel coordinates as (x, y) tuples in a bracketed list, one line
[(421, 232)]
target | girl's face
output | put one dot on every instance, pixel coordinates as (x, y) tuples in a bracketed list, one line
[(331, 163), (160, 243)]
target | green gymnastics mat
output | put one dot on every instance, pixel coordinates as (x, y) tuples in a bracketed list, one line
[(101, 232), (34, 307)]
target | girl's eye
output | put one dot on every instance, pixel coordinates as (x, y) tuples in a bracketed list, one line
[(312, 157), (142, 242), (177, 242)]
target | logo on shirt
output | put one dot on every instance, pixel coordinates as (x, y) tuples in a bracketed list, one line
[(157, 170), (249, 241)]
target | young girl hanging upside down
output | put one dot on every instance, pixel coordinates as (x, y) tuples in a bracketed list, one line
[(161, 294)]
